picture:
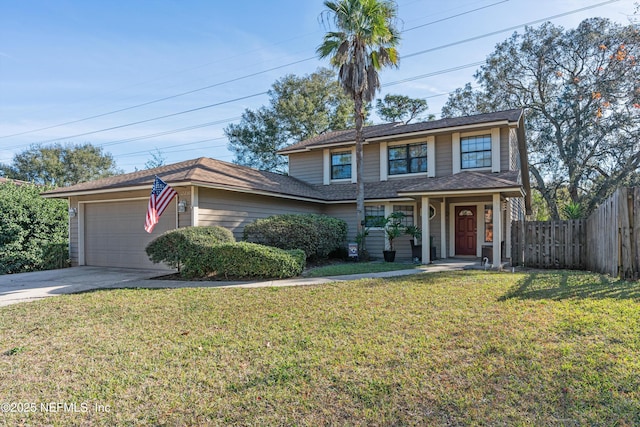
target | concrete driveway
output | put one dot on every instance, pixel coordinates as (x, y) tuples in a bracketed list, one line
[(41, 284), (24, 287)]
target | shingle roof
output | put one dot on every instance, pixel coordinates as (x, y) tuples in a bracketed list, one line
[(210, 172), (394, 129), (468, 180), (204, 171)]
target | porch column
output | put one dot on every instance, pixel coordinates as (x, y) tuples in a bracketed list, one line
[(443, 228), (426, 249), (497, 230)]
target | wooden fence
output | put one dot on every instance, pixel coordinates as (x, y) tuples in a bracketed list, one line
[(606, 242), (612, 241), (549, 244)]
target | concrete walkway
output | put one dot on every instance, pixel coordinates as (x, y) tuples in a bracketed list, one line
[(15, 288)]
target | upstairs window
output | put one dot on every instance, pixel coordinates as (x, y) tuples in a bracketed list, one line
[(341, 165), (410, 158), (475, 152)]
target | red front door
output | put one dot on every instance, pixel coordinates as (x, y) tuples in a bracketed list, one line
[(466, 235)]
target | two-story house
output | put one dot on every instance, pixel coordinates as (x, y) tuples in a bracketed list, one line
[(461, 180)]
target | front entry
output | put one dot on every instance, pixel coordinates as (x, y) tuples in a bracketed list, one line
[(466, 230)]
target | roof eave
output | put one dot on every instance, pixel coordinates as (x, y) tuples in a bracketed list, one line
[(505, 122), (517, 191)]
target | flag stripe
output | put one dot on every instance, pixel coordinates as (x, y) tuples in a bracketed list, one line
[(161, 196)]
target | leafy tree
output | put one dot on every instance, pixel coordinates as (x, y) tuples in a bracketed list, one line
[(365, 40), (401, 108), (581, 92), (61, 165), (157, 159), (33, 230), (299, 108)]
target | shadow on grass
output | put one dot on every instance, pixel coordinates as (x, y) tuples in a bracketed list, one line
[(561, 285)]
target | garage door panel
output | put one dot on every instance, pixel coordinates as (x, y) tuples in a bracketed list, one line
[(115, 236)]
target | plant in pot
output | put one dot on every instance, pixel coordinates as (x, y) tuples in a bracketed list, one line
[(416, 236), (393, 229)]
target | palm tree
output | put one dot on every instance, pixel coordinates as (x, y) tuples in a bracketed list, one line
[(365, 40)]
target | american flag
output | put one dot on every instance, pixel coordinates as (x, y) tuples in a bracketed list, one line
[(161, 196)]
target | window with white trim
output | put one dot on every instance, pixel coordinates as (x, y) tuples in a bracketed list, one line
[(341, 165), (475, 151), (409, 158), (407, 210), (374, 216)]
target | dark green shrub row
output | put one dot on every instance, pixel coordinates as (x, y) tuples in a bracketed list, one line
[(33, 230), (316, 235), (245, 260), (186, 246)]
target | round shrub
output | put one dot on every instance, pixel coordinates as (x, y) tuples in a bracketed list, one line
[(316, 235), (182, 246), (245, 260)]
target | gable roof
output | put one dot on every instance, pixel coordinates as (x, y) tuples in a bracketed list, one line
[(400, 129)]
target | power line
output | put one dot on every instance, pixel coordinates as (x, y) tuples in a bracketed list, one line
[(156, 118), (454, 16), (169, 132), (224, 82), (515, 27), (299, 61)]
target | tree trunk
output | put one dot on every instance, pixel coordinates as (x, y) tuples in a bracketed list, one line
[(359, 166)]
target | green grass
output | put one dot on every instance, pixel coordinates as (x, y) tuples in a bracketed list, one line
[(464, 348), (356, 268)]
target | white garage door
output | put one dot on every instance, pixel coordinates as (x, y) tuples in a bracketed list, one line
[(115, 236)]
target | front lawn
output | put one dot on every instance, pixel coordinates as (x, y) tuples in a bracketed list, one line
[(356, 268), (464, 348)]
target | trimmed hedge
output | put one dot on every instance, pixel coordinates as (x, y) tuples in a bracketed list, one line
[(185, 246), (245, 260), (316, 235), (33, 230)]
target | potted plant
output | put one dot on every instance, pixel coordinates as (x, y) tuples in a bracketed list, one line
[(416, 236), (393, 229)]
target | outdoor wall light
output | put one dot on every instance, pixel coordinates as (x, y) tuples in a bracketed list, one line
[(182, 206), (73, 212)]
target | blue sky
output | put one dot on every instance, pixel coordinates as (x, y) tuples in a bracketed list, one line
[(64, 61)]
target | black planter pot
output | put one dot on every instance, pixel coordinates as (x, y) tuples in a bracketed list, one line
[(389, 256)]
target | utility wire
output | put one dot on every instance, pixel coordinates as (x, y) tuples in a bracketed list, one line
[(169, 132), (226, 81), (296, 62), (156, 118)]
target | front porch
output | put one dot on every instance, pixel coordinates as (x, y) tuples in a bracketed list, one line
[(466, 227)]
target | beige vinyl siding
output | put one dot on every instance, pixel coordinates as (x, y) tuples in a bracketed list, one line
[(444, 156), (371, 170), (114, 234), (505, 155), (184, 218), (306, 166), (73, 233), (514, 161), (234, 210), (346, 212)]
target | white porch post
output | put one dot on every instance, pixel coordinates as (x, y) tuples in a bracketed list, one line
[(426, 249), (497, 230), (443, 229), (507, 237)]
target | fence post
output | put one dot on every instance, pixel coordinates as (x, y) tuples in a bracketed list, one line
[(635, 230)]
